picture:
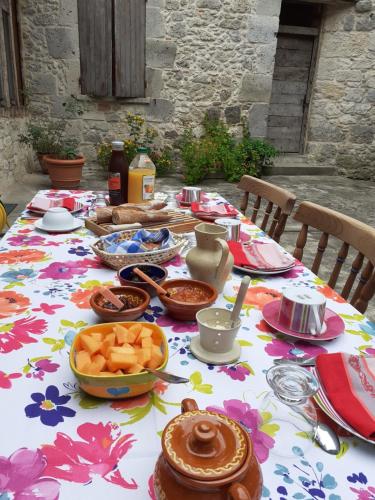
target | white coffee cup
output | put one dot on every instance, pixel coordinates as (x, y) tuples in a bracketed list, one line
[(58, 218), (302, 310), (215, 329)]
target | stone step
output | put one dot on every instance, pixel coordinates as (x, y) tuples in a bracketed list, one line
[(300, 169)]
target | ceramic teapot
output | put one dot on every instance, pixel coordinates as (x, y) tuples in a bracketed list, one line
[(208, 456), (211, 260)]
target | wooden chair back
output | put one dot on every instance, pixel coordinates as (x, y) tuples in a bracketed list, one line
[(277, 197), (352, 233)]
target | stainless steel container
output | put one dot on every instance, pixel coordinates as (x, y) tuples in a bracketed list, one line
[(191, 194), (233, 227)]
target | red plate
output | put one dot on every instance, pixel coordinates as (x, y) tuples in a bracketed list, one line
[(334, 324)]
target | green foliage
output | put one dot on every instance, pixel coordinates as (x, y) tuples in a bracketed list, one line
[(140, 136), (217, 150), (50, 136)]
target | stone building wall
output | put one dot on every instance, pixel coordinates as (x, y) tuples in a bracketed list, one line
[(342, 114), (13, 158)]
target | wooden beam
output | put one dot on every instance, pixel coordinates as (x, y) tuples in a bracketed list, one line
[(298, 30)]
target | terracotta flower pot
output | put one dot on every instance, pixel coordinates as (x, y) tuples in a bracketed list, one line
[(42, 164), (64, 174)]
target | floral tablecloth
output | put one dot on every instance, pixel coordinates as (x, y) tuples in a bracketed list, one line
[(56, 442)]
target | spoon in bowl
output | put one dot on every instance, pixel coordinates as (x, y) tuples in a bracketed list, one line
[(239, 300), (167, 377), (151, 282)]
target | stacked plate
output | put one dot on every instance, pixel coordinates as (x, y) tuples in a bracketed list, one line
[(40, 204), (210, 211)]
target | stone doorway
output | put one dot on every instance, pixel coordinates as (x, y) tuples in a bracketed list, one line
[(295, 60)]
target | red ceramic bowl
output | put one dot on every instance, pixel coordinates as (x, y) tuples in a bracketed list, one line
[(186, 311), (97, 300)]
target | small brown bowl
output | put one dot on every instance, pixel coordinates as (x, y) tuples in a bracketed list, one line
[(158, 272), (186, 311), (97, 300)]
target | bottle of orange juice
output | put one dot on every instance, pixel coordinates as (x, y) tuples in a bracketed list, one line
[(141, 180)]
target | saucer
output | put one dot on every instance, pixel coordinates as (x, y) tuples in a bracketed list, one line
[(214, 358), (76, 225), (334, 324), (264, 272)]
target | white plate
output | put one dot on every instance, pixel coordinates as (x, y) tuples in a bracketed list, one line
[(324, 403), (77, 224), (265, 273)]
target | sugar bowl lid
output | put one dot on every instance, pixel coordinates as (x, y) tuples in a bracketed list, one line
[(204, 445)]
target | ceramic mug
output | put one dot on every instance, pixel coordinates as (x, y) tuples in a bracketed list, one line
[(302, 310), (216, 332)]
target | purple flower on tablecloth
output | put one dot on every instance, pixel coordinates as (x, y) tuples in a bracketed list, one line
[(40, 368), (293, 273), (177, 326), (18, 275), (24, 240), (67, 270), (49, 407), (251, 419), (177, 261), (236, 372), (22, 475), (80, 251), (283, 349), (152, 313)]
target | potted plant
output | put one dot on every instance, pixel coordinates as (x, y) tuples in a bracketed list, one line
[(43, 137), (65, 166)]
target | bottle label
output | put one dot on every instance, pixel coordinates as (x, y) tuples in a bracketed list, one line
[(148, 187), (114, 188)]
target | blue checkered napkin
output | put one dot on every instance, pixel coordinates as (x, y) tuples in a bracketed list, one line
[(111, 243)]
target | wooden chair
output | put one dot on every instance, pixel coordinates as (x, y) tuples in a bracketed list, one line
[(352, 233), (281, 198)]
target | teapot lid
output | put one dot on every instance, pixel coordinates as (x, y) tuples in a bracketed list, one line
[(204, 445)]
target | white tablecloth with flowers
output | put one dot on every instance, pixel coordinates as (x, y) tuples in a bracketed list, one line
[(56, 442)]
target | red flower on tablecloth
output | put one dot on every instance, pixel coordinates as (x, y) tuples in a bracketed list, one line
[(259, 296), (81, 298), (97, 453), (18, 256), (151, 489), (67, 270), (49, 309), (6, 378), (264, 327), (23, 474), (14, 335), (251, 419), (329, 293), (12, 303), (283, 349)]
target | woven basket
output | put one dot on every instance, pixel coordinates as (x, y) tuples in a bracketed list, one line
[(117, 261)]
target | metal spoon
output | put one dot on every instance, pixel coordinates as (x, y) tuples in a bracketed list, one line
[(323, 435), (295, 361), (168, 377)]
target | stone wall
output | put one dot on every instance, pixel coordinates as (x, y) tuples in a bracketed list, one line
[(212, 56), (342, 115), (13, 158)]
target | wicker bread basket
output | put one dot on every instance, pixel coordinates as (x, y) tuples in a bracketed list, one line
[(117, 261)]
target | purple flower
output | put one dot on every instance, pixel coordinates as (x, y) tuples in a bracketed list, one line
[(252, 421), (177, 326), (236, 372), (47, 366), (22, 475), (177, 261), (152, 313), (293, 273), (25, 240), (49, 407), (286, 350), (64, 270), (80, 251)]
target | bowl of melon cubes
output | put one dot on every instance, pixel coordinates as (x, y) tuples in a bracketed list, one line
[(108, 359)]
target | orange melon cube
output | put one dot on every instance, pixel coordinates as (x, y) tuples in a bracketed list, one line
[(82, 359), (119, 372), (156, 358), (137, 368), (91, 369), (106, 374), (122, 334), (99, 360), (90, 345), (146, 332), (146, 342), (144, 355), (121, 361), (97, 336), (121, 350)]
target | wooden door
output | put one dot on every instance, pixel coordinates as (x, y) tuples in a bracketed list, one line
[(293, 67)]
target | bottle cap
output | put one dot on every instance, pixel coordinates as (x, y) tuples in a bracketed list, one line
[(118, 145), (142, 150)]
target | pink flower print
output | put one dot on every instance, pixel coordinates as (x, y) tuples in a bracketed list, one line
[(47, 308), (24, 240), (367, 494), (23, 474), (151, 489), (19, 333), (236, 372), (5, 380), (160, 387), (67, 270), (177, 326), (177, 261), (252, 421), (283, 349), (293, 273), (98, 453)]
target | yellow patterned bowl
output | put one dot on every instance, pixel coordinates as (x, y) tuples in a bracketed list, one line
[(118, 386)]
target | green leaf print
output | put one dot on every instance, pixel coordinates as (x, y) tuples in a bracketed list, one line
[(65, 322), (343, 449), (196, 381), (196, 378), (88, 402), (247, 366), (49, 341), (353, 317), (266, 338), (365, 336), (245, 343)]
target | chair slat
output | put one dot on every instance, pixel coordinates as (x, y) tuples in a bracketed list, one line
[(341, 258), (322, 245), (266, 217), (356, 267), (275, 222), (278, 231), (256, 209), (367, 294), (364, 278), (301, 242), (244, 202)]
